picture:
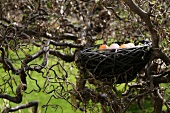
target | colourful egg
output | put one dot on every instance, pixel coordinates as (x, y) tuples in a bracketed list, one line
[(131, 44), (114, 46), (138, 46), (125, 46), (103, 46)]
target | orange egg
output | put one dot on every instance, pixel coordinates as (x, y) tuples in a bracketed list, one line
[(125, 46), (103, 46)]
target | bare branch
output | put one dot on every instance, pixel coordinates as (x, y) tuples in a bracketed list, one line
[(7, 65), (18, 98), (67, 58), (66, 44), (28, 105), (146, 18), (154, 33)]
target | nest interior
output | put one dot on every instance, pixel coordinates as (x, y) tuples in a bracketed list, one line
[(114, 65)]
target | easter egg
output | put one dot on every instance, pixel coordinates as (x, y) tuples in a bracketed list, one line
[(138, 46), (114, 46), (125, 46), (103, 46), (131, 44)]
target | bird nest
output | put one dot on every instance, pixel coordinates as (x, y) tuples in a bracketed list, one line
[(114, 65)]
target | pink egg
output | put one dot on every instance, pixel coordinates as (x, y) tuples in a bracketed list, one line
[(114, 46)]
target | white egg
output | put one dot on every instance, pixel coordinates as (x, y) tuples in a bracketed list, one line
[(131, 44), (114, 46)]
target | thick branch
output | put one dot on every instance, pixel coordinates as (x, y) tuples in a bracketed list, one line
[(162, 78), (30, 104), (154, 34), (68, 36), (158, 102), (67, 58), (7, 65), (146, 18), (32, 57), (45, 61), (17, 99), (66, 44)]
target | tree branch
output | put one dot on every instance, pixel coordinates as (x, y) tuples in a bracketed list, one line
[(66, 44), (18, 98), (67, 58), (30, 104), (154, 34), (7, 65), (161, 78), (146, 18)]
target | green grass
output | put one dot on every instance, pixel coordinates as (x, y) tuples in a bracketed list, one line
[(43, 98), (57, 105)]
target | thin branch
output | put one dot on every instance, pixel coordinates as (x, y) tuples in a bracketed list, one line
[(138, 96), (131, 87), (163, 99)]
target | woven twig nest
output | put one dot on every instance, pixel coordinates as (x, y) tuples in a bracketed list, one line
[(114, 65)]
